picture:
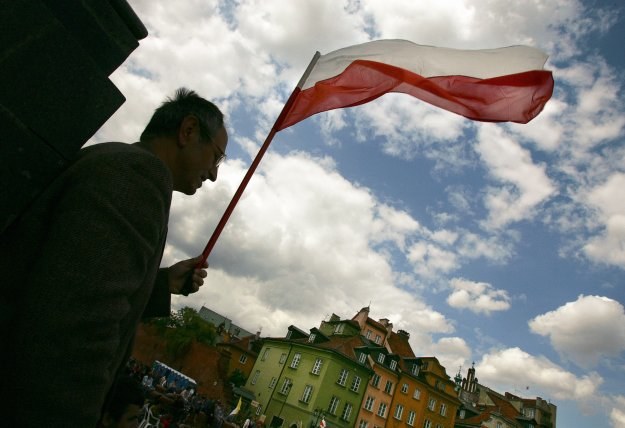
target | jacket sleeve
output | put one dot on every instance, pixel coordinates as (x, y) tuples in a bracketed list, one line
[(87, 290), (159, 304)]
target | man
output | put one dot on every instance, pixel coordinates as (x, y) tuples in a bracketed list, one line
[(81, 268)]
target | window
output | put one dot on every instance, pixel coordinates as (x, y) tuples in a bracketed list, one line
[(431, 404), (288, 334), (311, 338), (393, 365), (443, 410), (273, 382), (362, 358), (399, 411), (259, 410), (462, 413), (411, 418), (355, 384), (363, 424), (375, 380), (529, 412), (424, 366), (295, 360), (499, 425), (368, 335), (404, 388), (417, 394), (347, 411), (334, 403), (282, 358), (369, 403), (381, 358), (339, 328), (285, 386), (378, 339), (342, 377), (265, 354), (308, 389), (255, 377), (243, 359), (388, 388), (440, 385), (317, 366), (415, 369), (382, 410), (427, 424)]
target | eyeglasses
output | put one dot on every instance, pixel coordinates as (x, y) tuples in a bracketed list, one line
[(221, 156)]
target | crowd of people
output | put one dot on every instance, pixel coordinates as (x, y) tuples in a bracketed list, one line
[(169, 403)]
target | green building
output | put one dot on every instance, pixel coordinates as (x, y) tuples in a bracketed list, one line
[(304, 377)]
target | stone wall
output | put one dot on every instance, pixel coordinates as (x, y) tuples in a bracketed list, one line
[(207, 365)]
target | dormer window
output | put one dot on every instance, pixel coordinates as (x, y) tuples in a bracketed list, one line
[(339, 328), (362, 358), (311, 338), (393, 365), (415, 369), (381, 358)]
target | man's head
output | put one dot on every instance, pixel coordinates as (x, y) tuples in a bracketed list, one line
[(187, 132)]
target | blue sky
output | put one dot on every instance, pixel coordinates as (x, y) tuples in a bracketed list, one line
[(499, 244)]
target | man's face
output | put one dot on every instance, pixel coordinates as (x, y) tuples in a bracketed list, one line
[(199, 161)]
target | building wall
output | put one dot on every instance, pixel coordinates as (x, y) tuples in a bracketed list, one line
[(205, 364), (290, 406), (411, 398)]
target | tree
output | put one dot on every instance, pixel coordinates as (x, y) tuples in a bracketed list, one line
[(181, 328), (237, 378)]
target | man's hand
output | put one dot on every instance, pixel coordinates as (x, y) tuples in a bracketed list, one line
[(178, 273)]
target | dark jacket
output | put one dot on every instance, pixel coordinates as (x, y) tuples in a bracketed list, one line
[(78, 271)]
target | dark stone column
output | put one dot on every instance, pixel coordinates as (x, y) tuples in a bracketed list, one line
[(55, 59)]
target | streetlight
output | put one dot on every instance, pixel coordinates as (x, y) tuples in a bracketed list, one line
[(318, 413)]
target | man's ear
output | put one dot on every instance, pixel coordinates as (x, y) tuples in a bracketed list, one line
[(188, 128)]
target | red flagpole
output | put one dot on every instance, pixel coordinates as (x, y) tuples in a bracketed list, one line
[(248, 175)]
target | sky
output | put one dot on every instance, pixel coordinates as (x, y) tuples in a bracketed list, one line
[(501, 245)]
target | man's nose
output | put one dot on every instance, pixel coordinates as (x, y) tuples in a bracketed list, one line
[(212, 173)]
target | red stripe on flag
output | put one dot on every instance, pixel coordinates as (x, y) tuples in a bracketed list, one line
[(512, 98)]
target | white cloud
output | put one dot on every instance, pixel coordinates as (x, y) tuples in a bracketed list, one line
[(586, 330), (617, 413), (299, 226), (452, 353), (525, 184), (478, 297), (609, 246), (505, 369), (430, 260)]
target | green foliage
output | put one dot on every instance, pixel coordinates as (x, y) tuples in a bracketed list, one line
[(237, 378), (181, 328)]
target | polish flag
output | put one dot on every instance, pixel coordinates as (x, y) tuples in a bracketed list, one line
[(491, 85)]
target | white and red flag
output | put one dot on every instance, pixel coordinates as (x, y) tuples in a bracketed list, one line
[(493, 85)]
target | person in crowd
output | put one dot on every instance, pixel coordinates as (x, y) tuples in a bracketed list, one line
[(81, 267), (125, 405)]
